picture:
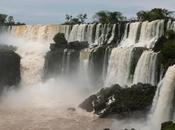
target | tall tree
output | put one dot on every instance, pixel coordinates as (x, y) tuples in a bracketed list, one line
[(82, 18), (79, 19), (108, 17), (11, 20), (3, 19), (154, 14), (68, 17)]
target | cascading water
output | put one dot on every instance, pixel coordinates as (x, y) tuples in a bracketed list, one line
[(147, 69), (125, 67), (131, 37), (78, 33), (150, 32), (171, 25), (40, 33), (44, 104), (95, 34), (121, 65), (163, 110), (143, 34)]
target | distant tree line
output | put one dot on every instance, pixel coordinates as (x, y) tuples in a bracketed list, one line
[(8, 20), (81, 18), (154, 14), (105, 16)]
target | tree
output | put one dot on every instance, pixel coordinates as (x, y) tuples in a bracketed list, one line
[(115, 17), (11, 20), (79, 19), (68, 17), (154, 14), (82, 17), (108, 17), (101, 17), (3, 19)]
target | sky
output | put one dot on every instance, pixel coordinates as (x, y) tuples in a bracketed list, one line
[(53, 11)]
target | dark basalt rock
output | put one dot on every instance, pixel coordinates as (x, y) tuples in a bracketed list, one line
[(9, 67), (63, 57), (96, 60), (168, 126), (88, 103), (120, 101), (59, 38), (78, 45)]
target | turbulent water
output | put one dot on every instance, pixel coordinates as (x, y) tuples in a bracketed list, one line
[(143, 34), (119, 66), (38, 105), (49, 105)]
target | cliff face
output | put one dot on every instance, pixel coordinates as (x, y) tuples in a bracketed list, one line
[(63, 57), (9, 68)]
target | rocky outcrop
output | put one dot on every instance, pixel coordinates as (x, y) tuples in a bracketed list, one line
[(9, 67), (63, 57), (95, 66), (120, 101)]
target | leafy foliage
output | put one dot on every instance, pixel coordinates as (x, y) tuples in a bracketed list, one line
[(108, 17), (154, 14), (3, 19), (8, 20), (168, 49), (79, 19), (168, 126)]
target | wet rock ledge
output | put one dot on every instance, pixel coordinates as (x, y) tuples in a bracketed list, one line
[(120, 102)]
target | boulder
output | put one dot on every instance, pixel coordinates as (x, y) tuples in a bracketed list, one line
[(120, 101), (59, 38), (9, 68)]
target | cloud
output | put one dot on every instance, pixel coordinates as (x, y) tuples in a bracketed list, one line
[(46, 11)]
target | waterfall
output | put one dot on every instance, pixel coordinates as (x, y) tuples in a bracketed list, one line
[(32, 57), (150, 32), (94, 34), (106, 62), (147, 68), (171, 25), (131, 37), (83, 66), (113, 34), (78, 33), (121, 65), (165, 101), (40, 33), (143, 34)]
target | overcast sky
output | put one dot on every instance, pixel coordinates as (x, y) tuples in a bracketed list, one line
[(53, 11)]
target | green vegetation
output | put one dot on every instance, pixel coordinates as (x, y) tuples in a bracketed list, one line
[(108, 17), (168, 49), (154, 14), (8, 20), (79, 19), (111, 17), (168, 126)]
